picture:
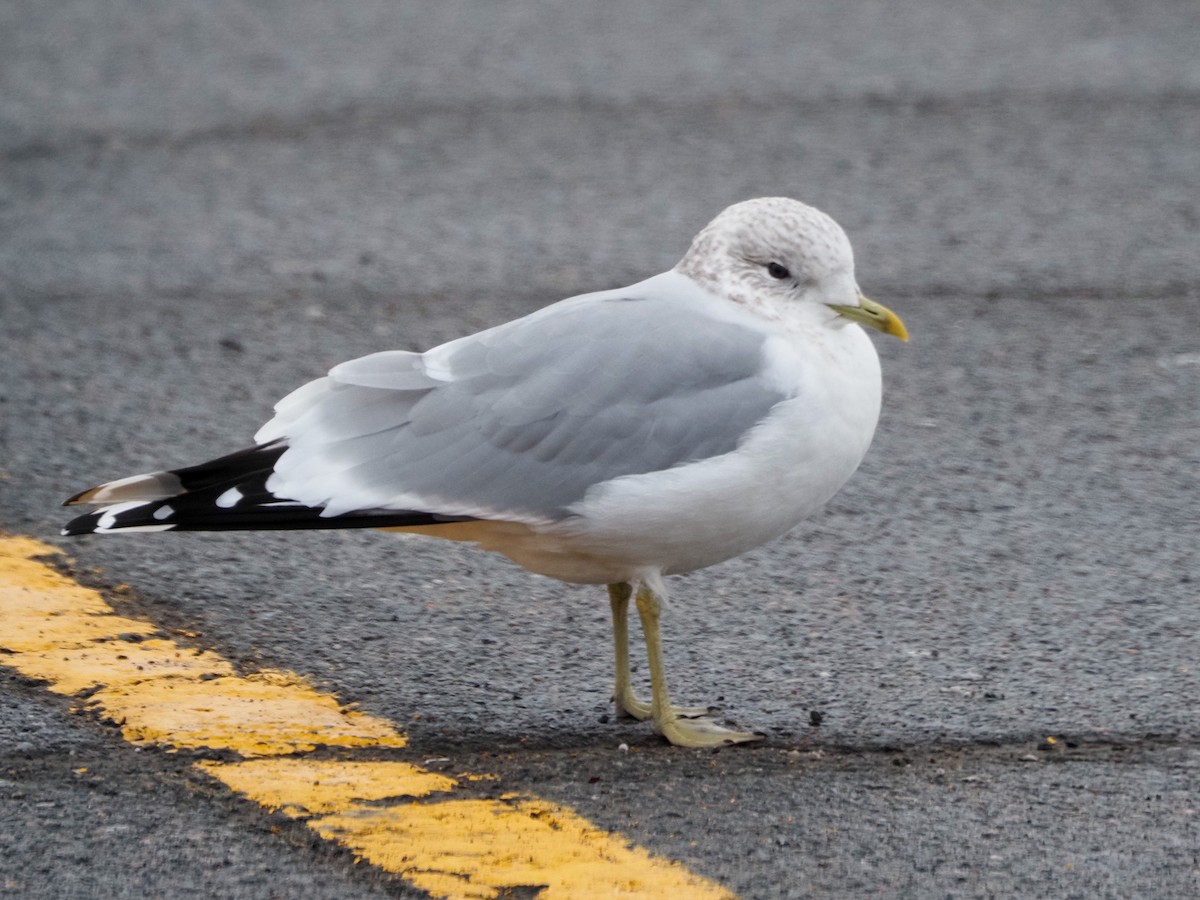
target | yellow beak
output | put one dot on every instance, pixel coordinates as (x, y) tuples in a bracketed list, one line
[(873, 315)]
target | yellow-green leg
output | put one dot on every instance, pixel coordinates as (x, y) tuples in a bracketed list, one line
[(684, 727), (629, 705)]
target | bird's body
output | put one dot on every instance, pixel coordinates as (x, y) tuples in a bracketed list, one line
[(612, 438), (636, 520)]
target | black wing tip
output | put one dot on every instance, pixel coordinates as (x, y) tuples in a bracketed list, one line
[(85, 524), (228, 470), (110, 519), (198, 513)]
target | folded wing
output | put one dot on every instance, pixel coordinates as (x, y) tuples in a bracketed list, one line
[(516, 423)]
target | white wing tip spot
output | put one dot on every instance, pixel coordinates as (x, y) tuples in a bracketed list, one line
[(230, 498)]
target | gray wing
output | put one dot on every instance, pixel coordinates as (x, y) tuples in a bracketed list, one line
[(519, 421)]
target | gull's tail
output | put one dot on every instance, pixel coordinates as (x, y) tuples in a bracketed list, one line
[(229, 493)]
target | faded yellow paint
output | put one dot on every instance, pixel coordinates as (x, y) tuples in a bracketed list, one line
[(176, 697), (162, 692), (265, 714), (118, 663), (479, 848), (303, 787), (41, 609)]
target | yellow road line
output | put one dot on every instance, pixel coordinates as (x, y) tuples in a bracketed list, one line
[(163, 693), (395, 815)]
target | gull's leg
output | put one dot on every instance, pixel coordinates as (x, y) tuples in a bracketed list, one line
[(627, 702), (683, 732)]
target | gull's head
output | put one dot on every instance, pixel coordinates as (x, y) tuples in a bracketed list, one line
[(775, 254)]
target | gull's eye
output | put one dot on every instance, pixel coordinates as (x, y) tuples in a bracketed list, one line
[(775, 270)]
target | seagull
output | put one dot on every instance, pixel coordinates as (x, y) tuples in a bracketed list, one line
[(612, 438)]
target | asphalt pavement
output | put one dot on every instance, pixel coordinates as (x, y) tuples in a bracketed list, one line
[(977, 669)]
